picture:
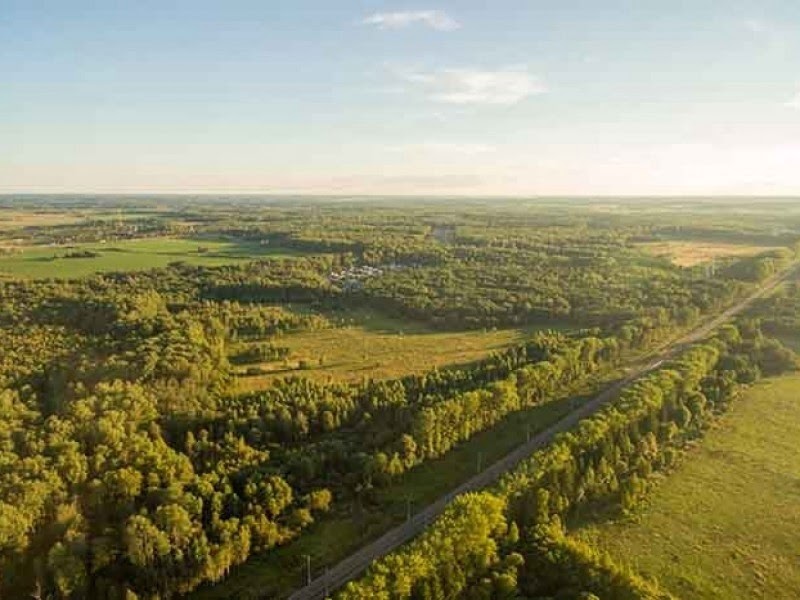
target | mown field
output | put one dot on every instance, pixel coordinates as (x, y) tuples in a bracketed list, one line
[(726, 524), (130, 255), (370, 345)]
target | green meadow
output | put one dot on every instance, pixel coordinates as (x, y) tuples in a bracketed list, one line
[(41, 262), (367, 344), (726, 523)]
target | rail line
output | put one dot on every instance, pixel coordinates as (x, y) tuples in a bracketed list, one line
[(350, 567)]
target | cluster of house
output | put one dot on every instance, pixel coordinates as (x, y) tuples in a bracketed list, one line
[(352, 278)]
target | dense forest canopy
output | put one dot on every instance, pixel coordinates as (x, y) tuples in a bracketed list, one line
[(134, 465)]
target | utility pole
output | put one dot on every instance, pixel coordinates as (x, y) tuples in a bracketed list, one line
[(408, 508), (308, 568), (480, 460), (528, 432)]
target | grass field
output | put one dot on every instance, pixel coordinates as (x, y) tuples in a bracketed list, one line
[(371, 345), (129, 255), (685, 253), (726, 524), (15, 219)]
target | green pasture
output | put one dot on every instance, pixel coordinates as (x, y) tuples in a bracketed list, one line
[(368, 344), (726, 523), (41, 262)]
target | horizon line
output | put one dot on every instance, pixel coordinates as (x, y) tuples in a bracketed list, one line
[(440, 195)]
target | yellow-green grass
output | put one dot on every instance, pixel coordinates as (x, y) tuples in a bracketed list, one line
[(16, 219), (726, 523), (373, 346), (687, 253), (129, 255), (334, 537)]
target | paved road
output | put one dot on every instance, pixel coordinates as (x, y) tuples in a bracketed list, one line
[(358, 562)]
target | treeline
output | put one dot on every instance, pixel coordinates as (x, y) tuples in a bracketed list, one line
[(503, 273), (555, 565), (595, 284), (259, 352), (761, 266), (608, 456), (509, 271), (374, 240), (779, 313), (255, 321), (360, 437)]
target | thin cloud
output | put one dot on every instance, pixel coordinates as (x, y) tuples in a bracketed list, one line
[(757, 26), (475, 86), (446, 148), (767, 33), (435, 19), (794, 102)]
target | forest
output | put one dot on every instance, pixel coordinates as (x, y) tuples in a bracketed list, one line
[(513, 541), (144, 454)]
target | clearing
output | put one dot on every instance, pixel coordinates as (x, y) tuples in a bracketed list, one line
[(685, 253), (11, 219), (726, 523), (129, 255), (374, 346)]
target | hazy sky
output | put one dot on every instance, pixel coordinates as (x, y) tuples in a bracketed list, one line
[(335, 96)]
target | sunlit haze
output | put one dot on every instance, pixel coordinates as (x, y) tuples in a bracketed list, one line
[(357, 97)]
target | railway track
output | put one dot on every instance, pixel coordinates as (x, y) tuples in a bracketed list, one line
[(320, 587)]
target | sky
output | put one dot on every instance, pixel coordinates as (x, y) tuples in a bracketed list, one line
[(522, 97)]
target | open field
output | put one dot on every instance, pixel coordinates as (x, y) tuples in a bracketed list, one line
[(12, 219), (129, 255), (686, 253), (370, 345), (726, 524), (16, 219)]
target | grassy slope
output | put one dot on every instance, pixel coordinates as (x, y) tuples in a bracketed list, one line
[(130, 255), (726, 524)]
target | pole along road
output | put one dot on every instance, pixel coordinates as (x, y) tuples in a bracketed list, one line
[(356, 563)]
